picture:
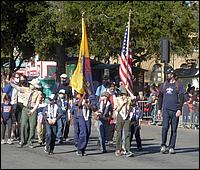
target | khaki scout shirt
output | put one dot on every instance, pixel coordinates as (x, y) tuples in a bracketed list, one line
[(118, 102), (21, 97), (27, 92)]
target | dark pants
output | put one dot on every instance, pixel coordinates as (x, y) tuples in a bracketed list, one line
[(4, 123), (14, 127), (185, 114), (80, 133), (169, 118), (103, 132), (88, 127), (111, 131), (135, 129), (18, 118), (50, 136), (66, 129), (17, 110), (60, 127), (122, 124)]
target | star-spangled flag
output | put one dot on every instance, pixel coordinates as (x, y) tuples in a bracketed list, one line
[(125, 69)]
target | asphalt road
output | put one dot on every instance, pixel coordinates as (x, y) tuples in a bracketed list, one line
[(64, 157)]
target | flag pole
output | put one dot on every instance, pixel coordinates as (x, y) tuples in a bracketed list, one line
[(127, 52), (127, 57)]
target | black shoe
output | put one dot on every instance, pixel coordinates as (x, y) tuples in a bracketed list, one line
[(84, 154), (104, 151), (60, 141), (51, 152), (40, 143)]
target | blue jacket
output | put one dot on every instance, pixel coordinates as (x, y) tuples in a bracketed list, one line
[(8, 89)]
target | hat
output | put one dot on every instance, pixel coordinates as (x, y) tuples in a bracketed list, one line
[(169, 70), (63, 76), (106, 94), (51, 97), (105, 77), (62, 91), (122, 89), (36, 83)]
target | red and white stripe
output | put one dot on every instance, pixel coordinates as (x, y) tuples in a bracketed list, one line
[(125, 71)]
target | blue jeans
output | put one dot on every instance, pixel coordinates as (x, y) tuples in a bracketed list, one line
[(50, 136), (169, 118), (103, 130), (186, 114), (153, 114), (60, 127)]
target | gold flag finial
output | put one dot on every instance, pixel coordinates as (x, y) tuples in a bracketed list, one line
[(83, 12)]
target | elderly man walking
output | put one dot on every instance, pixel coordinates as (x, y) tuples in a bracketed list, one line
[(29, 115)]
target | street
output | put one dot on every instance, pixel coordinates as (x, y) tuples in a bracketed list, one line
[(64, 157)]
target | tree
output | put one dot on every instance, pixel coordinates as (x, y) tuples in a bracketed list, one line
[(156, 19), (53, 28), (13, 26)]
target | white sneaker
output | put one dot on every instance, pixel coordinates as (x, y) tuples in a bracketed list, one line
[(129, 154), (172, 151), (123, 147), (3, 141), (9, 142), (163, 149)]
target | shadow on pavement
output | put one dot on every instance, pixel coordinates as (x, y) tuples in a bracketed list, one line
[(183, 150), (65, 152)]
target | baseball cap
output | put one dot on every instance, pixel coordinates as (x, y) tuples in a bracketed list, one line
[(62, 91), (63, 75)]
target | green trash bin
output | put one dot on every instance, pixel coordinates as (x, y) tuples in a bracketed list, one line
[(48, 85)]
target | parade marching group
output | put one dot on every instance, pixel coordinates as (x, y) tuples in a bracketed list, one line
[(26, 111)]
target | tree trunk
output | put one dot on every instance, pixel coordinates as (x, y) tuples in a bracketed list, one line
[(61, 61), (12, 64)]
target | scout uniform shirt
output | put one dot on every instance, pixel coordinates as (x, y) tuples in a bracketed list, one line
[(118, 101), (31, 97)]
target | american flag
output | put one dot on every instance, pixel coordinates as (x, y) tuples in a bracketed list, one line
[(125, 72)]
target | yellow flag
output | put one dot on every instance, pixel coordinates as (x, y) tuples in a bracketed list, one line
[(78, 78)]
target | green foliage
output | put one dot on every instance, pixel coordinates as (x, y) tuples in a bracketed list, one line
[(46, 24)]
